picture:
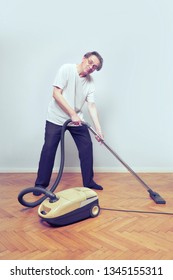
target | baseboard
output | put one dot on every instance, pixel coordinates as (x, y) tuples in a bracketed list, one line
[(96, 170)]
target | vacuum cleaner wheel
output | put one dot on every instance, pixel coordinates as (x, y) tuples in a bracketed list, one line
[(95, 210)]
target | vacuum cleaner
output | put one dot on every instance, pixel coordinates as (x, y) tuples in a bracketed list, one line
[(71, 205), (67, 206), (78, 203)]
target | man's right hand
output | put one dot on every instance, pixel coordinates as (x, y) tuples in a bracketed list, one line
[(76, 120)]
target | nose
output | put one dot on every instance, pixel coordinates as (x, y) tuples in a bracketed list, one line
[(91, 67)]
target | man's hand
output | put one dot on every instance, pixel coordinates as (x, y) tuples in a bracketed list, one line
[(57, 94), (100, 136), (76, 120)]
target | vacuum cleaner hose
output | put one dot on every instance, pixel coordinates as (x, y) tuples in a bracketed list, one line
[(47, 193)]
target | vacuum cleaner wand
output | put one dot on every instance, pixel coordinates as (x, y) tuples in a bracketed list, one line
[(154, 195)]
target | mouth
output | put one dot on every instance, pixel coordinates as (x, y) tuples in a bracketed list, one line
[(87, 71)]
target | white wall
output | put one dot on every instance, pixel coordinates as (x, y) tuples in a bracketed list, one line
[(134, 88)]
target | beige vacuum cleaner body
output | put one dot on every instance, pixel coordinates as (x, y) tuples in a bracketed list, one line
[(72, 205)]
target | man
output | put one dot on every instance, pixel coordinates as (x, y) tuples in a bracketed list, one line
[(73, 86)]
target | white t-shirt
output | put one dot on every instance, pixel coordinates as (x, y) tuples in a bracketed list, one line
[(76, 90)]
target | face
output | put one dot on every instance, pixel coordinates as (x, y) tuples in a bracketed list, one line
[(90, 64)]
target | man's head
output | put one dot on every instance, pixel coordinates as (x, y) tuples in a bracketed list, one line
[(91, 61), (92, 56)]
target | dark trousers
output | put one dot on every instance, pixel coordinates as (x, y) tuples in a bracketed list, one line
[(83, 142)]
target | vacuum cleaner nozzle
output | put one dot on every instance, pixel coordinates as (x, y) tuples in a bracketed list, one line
[(156, 197)]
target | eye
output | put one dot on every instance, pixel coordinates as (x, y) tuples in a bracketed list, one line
[(90, 61)]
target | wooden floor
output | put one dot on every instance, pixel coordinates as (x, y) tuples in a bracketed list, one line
[(133, 228)]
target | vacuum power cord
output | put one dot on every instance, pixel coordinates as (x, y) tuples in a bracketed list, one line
[(137, 211)]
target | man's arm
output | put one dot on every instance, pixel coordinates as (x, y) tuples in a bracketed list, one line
[(94, 116), (57, 95)]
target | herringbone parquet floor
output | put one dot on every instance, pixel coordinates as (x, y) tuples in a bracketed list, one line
[(132, 228)]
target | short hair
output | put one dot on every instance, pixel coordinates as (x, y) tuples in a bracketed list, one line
[(88, 54)]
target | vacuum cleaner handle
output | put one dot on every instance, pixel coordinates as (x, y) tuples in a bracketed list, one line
[(155, 196)]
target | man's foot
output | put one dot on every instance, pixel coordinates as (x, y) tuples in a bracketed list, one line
[(37, 192), (96, 187)]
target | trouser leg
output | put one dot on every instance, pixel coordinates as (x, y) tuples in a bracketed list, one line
[(47, 158), (83, 142)]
